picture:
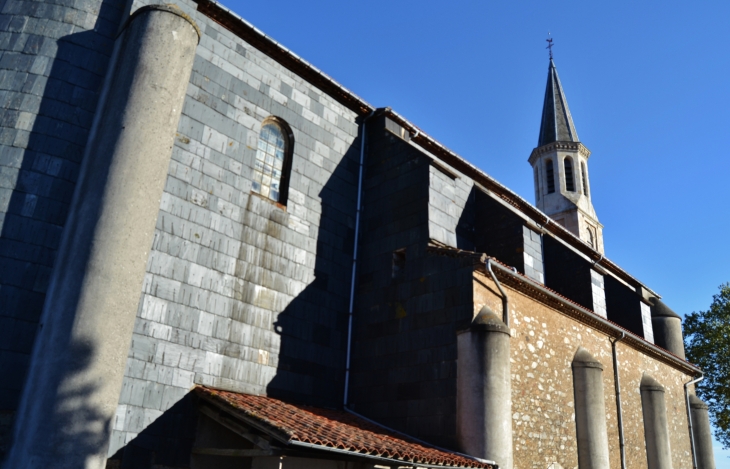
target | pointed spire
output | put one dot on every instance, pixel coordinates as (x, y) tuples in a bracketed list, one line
[(557, 124)]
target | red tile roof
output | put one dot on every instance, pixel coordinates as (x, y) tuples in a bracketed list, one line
[(336, 429)]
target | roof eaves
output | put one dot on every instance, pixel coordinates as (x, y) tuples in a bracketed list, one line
[(257, 38)]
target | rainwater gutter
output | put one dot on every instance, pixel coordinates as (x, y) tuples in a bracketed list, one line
[(619, 412), (391, 461), (354, 260), (689, 418), (505, 300)]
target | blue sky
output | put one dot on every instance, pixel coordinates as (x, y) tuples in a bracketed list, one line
[(647, 84)]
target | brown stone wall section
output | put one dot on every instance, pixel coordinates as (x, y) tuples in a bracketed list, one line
[(544, 342)]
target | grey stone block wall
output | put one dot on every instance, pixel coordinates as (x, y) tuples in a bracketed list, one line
[(532, 254), (448, 197), (599, 294), (240, 292), (53, 58), (404, 354)]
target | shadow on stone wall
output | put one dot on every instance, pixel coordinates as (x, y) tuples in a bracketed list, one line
[(49, 95), (313, 327), (166, 442)]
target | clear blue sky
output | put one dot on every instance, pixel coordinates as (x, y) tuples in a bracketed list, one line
[(648, 84)]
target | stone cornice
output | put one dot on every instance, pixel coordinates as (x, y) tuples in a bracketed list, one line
[(556, 146)]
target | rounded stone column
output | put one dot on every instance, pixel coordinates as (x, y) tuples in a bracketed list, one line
[(656, 431), (590, 411), (78, 362), (667, 327), (484, 391), (701, 433)]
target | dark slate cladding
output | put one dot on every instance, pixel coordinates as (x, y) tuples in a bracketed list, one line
[(568, 273), (54, 58), (404, 355), (623, 306), (498, 231), (242, 293)]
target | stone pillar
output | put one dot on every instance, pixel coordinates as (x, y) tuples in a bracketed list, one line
[(78, 362), (484, 391), (656, 432), (701, 433), (590, 411), (667, 327)]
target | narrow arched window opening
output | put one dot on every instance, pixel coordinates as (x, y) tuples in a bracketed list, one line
[(550, 176), (271, 168), (569, 182), (537, 184), (591, 240), (584, 173)]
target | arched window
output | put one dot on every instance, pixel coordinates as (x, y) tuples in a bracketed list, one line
[(591, 240), (550, 176), (569, 182), (271, 168), (584, 173), (537, 184)]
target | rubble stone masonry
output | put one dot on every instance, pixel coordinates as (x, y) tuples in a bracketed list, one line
[(544, 342)]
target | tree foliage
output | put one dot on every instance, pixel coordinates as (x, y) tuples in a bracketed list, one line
[(707, 344)]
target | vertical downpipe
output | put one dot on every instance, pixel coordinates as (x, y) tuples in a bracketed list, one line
[(619, 412), (689, 418), (354, 259), (505, 299)]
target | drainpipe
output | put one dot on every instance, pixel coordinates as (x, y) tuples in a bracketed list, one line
[(505, 300), (689, 418), (354, 259), (619, 412)]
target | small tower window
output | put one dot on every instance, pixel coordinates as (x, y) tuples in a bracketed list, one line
[(537, 185), (591, 241), (270, 175), (569, 182), (584, 173), (550, 176)]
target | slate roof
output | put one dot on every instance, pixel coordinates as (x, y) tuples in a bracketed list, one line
[(557, 123), (330, 429)]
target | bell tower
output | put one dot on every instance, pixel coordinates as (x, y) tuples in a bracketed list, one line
[(560, 167)]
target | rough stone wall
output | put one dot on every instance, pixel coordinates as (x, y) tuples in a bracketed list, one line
[(240, 292), (53, 58), (543, 344)]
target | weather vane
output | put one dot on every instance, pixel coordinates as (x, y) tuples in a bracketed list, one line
[(550, 45)]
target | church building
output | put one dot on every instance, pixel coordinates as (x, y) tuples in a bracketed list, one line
[(213, 255)]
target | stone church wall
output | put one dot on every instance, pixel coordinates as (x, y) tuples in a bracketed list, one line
[(404, 353), (240, 292), (54, 59), (543, 344)]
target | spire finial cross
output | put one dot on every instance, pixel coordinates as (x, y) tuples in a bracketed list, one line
[(550, 45)]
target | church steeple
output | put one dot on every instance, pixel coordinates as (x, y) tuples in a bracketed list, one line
[(560, 165), (557, 123)]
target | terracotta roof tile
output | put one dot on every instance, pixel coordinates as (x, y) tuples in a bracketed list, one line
[(333, 429)]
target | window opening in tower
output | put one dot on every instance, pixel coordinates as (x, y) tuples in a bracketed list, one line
[(550, 176), (569, 184)]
